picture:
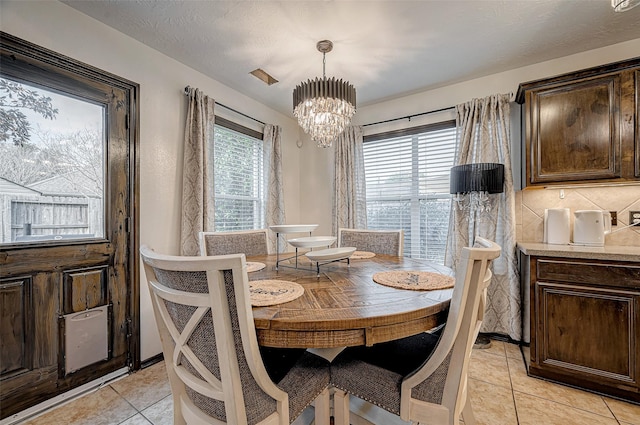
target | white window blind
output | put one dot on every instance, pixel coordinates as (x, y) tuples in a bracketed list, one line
[(407, 178), (238, 180)]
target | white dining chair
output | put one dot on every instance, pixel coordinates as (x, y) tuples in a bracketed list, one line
[(247, 242), (390, 242), (422, 378), (216, 372)]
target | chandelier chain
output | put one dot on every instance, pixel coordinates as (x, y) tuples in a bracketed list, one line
[(324, 64)]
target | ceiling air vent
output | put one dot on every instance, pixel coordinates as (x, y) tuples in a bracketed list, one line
[(262, 75)]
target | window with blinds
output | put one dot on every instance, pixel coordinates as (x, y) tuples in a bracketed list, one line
[(238, 180), (407, 180)]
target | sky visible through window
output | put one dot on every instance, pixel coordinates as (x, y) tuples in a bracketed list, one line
[(53, 178), (73, 115)]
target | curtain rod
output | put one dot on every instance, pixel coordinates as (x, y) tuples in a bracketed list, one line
[(186, 92), (409, 116)]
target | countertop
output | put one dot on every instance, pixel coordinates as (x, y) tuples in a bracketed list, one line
[(607, 252)]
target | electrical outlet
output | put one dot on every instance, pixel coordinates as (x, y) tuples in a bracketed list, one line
[(614, 218), (634, 218)]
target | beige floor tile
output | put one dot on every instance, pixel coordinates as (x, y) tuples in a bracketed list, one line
[(145, 387), (558, 393), (160, 413), (513, 351), (102, 407), (492, 404), (489, 368), (136, 420), (493, 372), (624, 412), (537, 411), (497, 348)]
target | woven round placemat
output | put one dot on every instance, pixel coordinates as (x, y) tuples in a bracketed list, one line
[(254, 266), (361, 255), (270, 292), (415, 280)]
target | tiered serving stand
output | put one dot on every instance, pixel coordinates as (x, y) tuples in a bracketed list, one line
[(320, 257), (288, 229)]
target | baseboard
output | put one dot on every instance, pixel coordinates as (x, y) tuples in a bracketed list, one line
[(151, 361), (505, 338), (65, 398)]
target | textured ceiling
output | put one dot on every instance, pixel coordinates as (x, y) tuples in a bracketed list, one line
[(386, 49)]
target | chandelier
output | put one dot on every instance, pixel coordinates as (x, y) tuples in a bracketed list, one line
[(324, 107), (624, 5)]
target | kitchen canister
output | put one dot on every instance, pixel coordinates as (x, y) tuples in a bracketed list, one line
[(557, 227)]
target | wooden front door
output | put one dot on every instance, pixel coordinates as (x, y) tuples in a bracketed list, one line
[(68, 254)]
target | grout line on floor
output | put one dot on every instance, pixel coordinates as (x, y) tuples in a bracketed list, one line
[(125, 399), (567, 405), (610, 410), (151, 405), (147, 419), (490, 352), (513, 396), (125, 420)]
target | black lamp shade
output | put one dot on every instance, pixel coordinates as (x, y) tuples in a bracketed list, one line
[(479, 177)]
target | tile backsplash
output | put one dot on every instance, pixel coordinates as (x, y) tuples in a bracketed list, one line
[(531, 203)]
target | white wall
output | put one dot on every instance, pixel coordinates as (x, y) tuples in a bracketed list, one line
[(58, 27), (320, 164)]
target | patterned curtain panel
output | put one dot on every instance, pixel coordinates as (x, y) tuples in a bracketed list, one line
[(349, 193), (483, 136), (197, 171), (274, 202)]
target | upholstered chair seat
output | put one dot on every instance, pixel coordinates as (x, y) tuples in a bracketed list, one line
[(386, 364)]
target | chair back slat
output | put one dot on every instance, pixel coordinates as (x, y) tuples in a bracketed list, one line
[(207, 384)]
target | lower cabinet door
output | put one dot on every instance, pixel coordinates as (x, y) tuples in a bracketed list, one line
[(587, 336)]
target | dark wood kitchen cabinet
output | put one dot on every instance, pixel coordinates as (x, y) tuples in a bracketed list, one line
[(582, 126), (585, 323)]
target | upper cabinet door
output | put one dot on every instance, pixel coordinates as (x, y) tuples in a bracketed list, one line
[(579, 127), (575, 131)]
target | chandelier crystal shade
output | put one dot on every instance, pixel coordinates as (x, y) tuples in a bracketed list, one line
[(624, 5), (324, 106)]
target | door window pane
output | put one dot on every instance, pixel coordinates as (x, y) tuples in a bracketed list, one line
[(51, 165)]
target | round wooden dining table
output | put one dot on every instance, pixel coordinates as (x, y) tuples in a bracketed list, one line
[(343, 306)]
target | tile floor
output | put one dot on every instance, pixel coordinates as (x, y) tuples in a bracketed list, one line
[(501, 394)]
